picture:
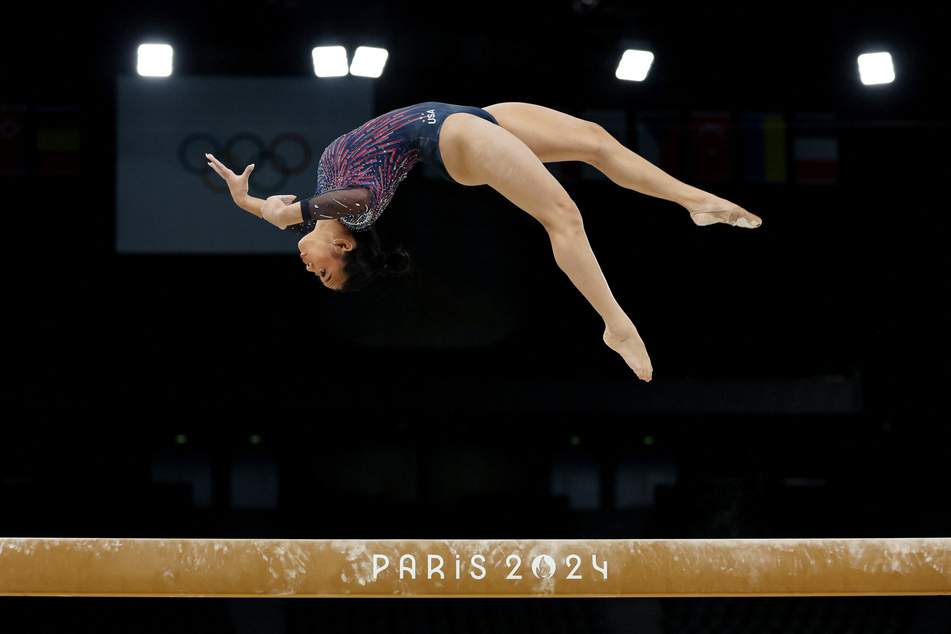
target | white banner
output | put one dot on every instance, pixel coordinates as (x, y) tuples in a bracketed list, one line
[(169, 201)]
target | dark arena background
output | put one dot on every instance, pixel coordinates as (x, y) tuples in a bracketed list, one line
[(177, 384)]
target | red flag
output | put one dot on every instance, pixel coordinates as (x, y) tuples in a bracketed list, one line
[(817, 159), (711, 145)]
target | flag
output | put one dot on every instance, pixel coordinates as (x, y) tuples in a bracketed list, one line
[(816, 150), (711, 146), (764, 147), (12, 139), (58, 140), (660, 137), (817, 159)]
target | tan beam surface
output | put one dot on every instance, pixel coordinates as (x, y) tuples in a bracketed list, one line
[(434, 568)]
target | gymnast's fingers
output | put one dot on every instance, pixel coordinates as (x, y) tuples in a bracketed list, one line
[(218, 166), (214, 164)]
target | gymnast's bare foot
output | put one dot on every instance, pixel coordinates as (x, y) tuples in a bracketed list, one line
[(715, 210), (631, 347)]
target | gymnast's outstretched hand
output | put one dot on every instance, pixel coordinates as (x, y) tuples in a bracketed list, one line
[(237, 185), (274, 209)]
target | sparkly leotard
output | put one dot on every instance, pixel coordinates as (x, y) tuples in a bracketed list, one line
[(378, 155)]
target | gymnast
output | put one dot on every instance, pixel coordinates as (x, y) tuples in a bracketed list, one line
[(503, 146)]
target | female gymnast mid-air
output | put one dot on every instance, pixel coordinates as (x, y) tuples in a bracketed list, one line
[(503, 146)]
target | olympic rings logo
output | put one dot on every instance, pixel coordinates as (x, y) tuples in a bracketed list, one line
[(287, 155)]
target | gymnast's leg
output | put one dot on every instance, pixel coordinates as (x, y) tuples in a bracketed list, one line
[(477, 152), (554, 136)]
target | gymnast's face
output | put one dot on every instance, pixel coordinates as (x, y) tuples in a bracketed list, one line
[(322, 253)]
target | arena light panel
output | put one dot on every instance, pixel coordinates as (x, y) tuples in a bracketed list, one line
[(330, 61), (154, 60), (368, 61), (634, 65), (876, 68)]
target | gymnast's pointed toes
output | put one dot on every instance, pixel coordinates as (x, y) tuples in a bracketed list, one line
[(746, 220), (721, 211)]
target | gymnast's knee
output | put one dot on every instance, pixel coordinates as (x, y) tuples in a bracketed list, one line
[(598, 144), (563, 215)]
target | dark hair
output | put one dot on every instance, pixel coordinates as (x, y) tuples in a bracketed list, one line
[(368, 261)]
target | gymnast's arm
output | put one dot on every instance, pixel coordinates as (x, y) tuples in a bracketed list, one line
[(281, 211), (300, 217), (238, 186)]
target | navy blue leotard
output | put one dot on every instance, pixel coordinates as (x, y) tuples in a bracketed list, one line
[(378, 155)]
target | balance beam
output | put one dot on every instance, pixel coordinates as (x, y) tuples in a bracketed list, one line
[(516, 568)]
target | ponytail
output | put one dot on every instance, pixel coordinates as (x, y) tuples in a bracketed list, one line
[(368, 261)]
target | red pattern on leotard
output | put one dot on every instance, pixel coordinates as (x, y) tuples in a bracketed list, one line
[(375, 156)]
